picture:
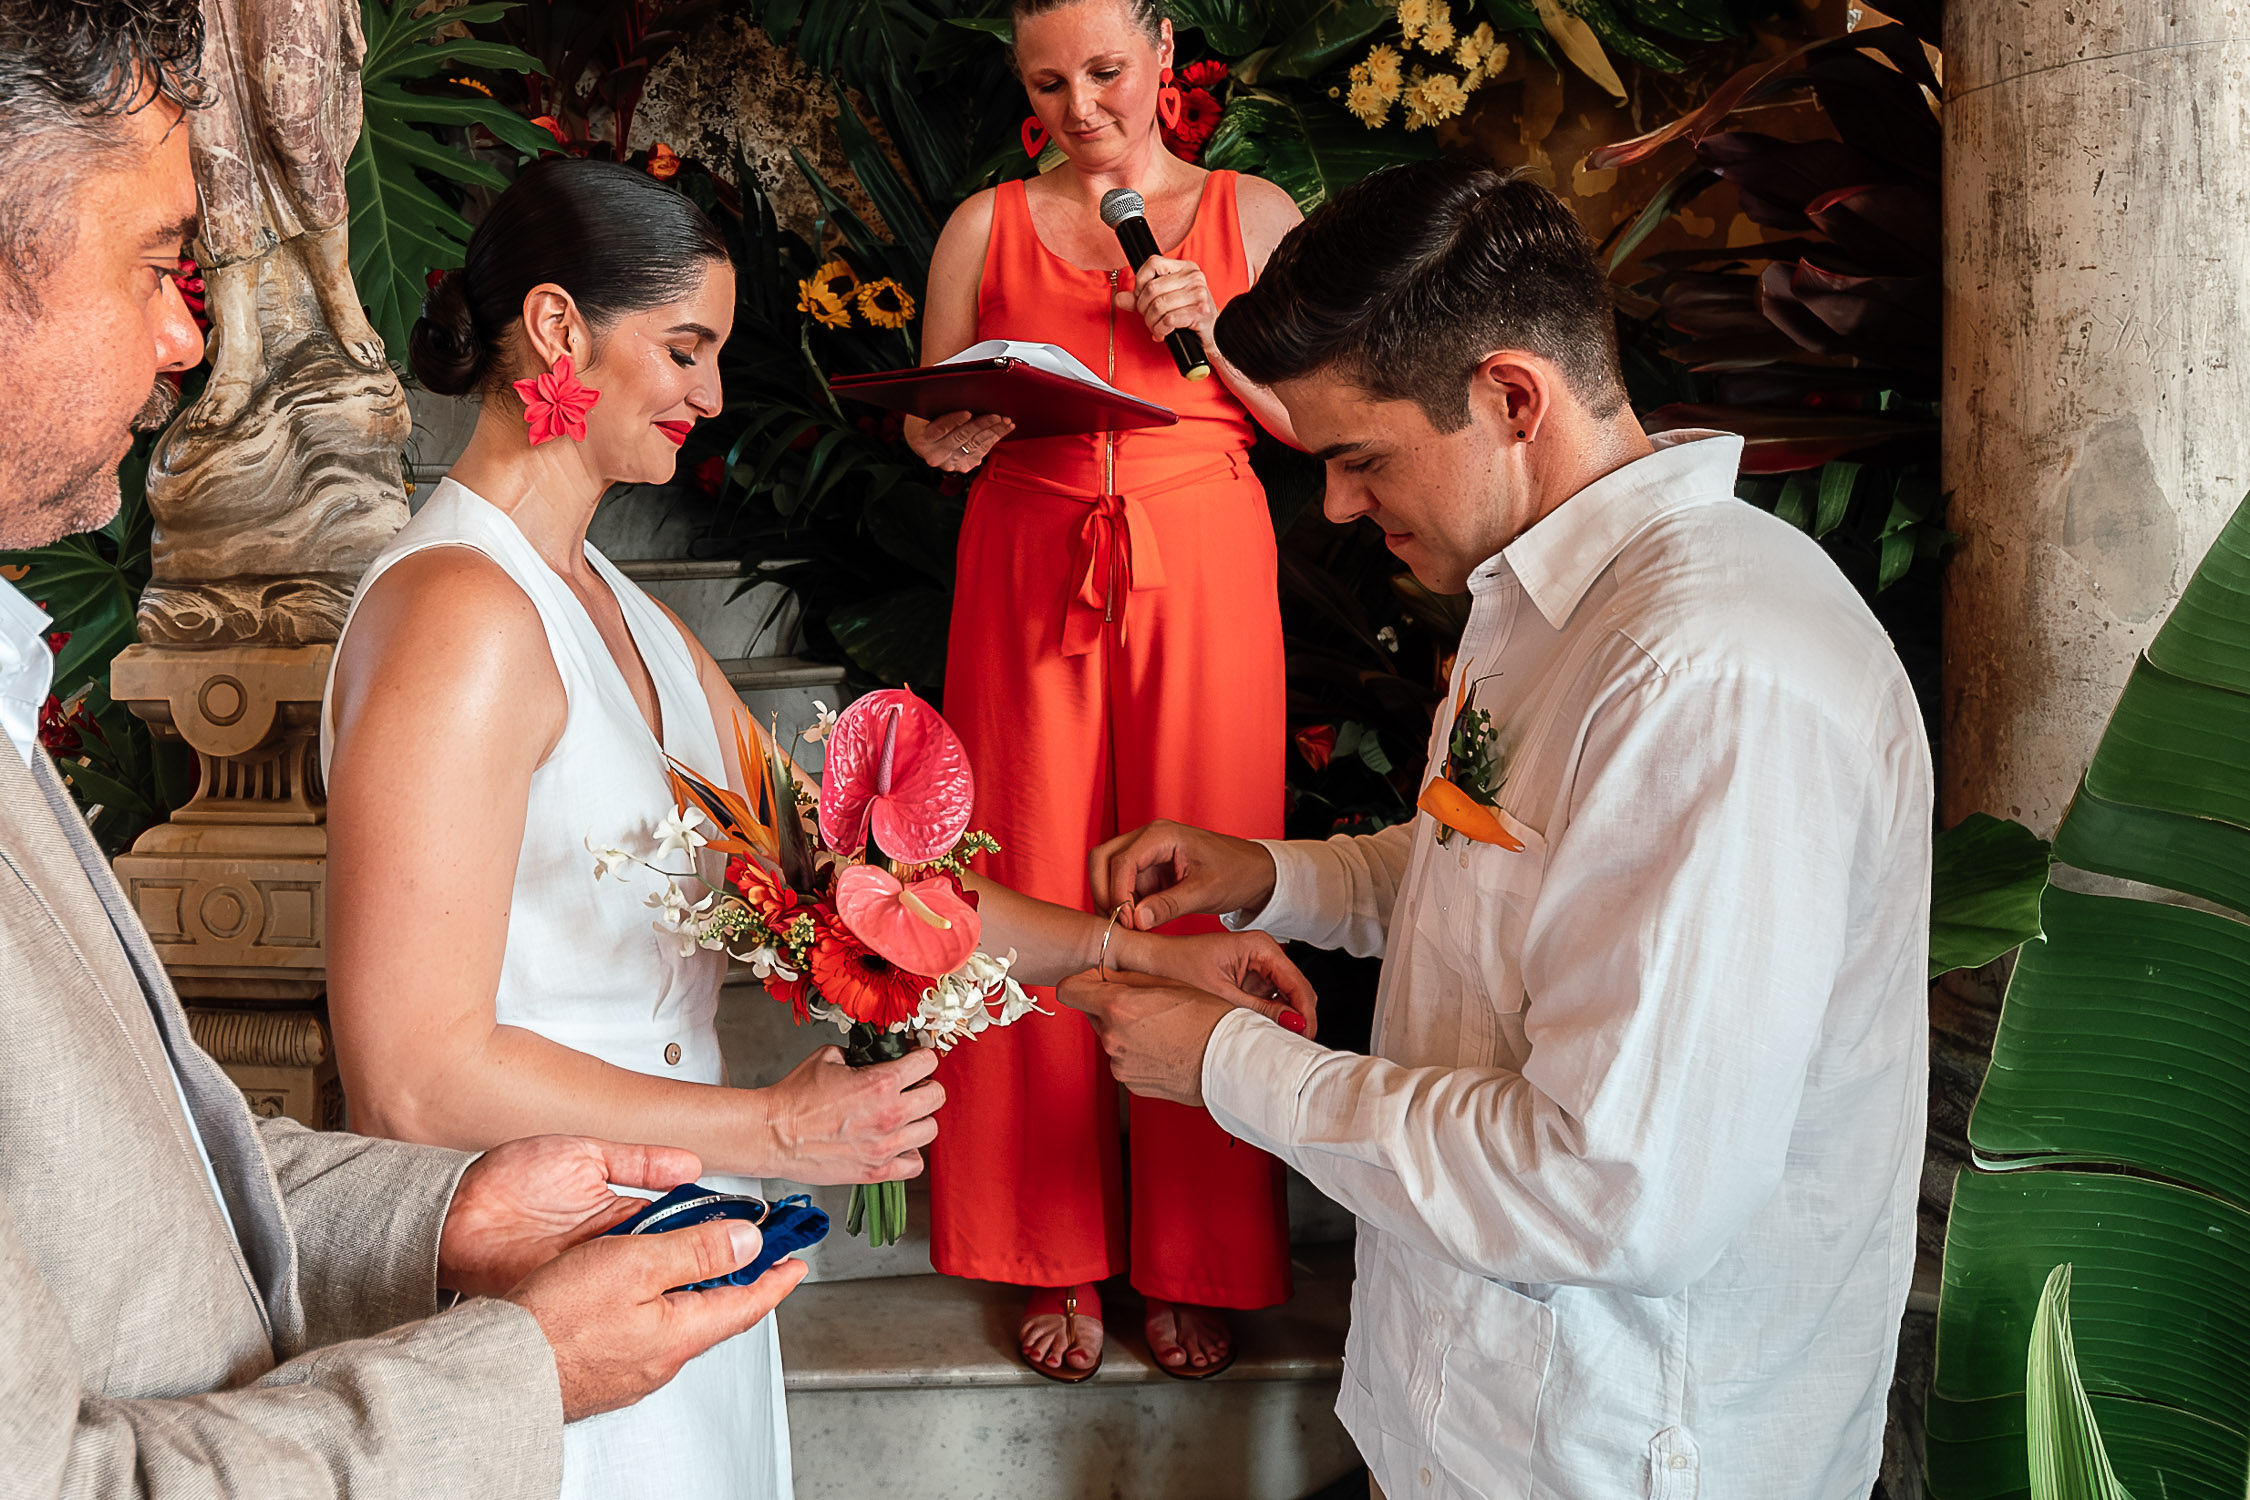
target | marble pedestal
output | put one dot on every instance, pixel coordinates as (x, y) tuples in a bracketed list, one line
[(232, 887)]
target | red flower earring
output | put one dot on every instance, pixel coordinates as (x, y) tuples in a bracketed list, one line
[(1034, 137), (555, 404), (1168, 101)]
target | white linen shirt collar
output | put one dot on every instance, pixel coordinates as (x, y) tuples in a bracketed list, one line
[(1560, 556), (27, 669)]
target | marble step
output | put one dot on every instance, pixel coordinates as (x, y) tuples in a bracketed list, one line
[(761, 1042), (910, 1388)]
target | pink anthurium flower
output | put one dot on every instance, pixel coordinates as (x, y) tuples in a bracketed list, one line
[(924, 928), (895, 765)]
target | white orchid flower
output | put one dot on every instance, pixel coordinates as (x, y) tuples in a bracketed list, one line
[(608, 860), (824, 723), (676, 833), (765, 962)]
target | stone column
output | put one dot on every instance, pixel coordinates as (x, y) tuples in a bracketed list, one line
[(271, 493), (2097, 402), (2097, 363)]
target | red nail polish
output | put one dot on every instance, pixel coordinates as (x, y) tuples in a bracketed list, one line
[(1291, 1021)]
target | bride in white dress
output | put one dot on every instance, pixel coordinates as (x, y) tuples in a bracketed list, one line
[(502, 697)]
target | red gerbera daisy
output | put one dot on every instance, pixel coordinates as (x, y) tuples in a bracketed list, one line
[(860, 982)]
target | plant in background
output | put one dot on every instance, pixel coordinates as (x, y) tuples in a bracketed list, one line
[(403, 179), (592, 61), (122, 775), (2112, 1134)]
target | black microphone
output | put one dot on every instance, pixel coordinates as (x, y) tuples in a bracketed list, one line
[(1123, 211)]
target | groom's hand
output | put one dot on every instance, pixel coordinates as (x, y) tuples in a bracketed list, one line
[(618, 1334), (524, 1202), (1168, 870), (1154, 1030)]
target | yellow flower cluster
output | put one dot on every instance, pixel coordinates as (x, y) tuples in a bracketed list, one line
[(830, 293), (1379, 80)]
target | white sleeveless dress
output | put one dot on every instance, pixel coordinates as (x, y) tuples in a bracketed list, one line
[(585, 967)]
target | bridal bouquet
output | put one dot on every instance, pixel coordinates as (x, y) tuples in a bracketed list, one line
[(861, 919)]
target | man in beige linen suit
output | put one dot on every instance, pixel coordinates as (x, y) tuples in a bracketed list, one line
[(194, 1301)]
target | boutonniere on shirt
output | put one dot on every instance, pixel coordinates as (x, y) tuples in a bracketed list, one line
[(1464, 797)]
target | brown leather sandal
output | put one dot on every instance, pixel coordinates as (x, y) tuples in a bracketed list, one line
[(1185, 1372), (1046, 1301)]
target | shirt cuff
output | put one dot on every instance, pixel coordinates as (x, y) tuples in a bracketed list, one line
[(1292, 884), (1254, 1074)]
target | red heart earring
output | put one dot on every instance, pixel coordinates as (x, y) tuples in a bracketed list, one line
[(1034, 137), (1168, 101)]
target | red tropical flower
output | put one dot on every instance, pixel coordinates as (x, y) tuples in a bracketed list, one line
[(860, 982), (1207, 74), (1317, 744), (56, 640), (711, 475), (549, 124), (763, 892), (663, 162), (57, 734), (794, 993), (555, 403), (1199, 116)]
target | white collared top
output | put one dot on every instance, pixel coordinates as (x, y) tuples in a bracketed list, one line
[(27, 669), (1636, 1159)]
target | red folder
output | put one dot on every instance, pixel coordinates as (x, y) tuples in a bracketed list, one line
[(1041, 403)]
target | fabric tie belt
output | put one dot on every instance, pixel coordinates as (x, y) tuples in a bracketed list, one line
[(1116, 555)]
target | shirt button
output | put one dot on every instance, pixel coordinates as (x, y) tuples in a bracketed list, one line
[(1679, 1460), (1425, 1476), (672, 1054)]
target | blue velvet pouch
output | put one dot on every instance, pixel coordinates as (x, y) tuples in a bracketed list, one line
[(790, 1224)]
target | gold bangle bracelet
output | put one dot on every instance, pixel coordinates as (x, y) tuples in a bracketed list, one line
[(1101, 960)]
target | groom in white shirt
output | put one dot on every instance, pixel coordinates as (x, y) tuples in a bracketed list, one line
[(1635, 1157)]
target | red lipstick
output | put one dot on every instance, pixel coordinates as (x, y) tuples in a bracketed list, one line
[(676, 431)]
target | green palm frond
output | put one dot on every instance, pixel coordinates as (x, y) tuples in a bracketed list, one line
[(401, 227)]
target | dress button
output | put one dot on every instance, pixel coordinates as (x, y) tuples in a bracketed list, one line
[(672, 1054), (1425, 1476)]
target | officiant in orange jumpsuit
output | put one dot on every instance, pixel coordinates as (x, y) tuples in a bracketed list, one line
[(1115, 657)]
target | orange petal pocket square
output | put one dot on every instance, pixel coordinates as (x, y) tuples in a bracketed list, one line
[(1457, 810)]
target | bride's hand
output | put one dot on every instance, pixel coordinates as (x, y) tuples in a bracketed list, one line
[(830, 1122), (1247, 968)]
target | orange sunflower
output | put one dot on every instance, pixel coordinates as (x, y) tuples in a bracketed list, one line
[(860, 982)]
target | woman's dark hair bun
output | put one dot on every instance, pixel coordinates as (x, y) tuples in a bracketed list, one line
[(443, 348), (617, 240)]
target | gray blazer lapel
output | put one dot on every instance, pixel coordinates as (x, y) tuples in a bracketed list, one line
[(228, 1129)]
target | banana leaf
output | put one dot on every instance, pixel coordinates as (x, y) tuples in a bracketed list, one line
[(1308, 147), (2067, 1460), (2124, 1047)]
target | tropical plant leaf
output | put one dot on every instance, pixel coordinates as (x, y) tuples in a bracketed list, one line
[(1327, 37), (401, 228), (1229, 27), (2067, 1459), (1580, 45), (899, 639), (1986, 877), (2124, 1043), (1308, 148)]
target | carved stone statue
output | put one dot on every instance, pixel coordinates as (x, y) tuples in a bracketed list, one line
[(273, 491)]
